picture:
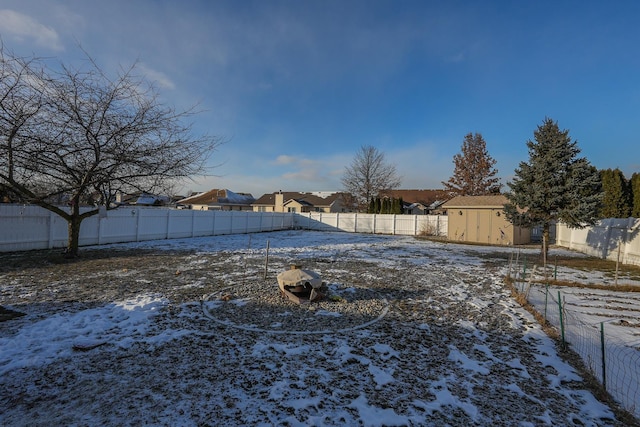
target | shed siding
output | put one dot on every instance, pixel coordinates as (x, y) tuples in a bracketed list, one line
[(486, 224)]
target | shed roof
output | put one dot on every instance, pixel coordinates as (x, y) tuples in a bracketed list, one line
[(493, 201)]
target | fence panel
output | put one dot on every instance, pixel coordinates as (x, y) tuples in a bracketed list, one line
[(404, 225), (432, 225), (254, 220), (366, 223), (201, 223), (384, 224), (26, 227), (348, 222), (152, 224), (119, 226)]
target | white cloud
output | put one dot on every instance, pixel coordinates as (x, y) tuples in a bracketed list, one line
[(284, 159), (157, 77), (305, 172), (23, 28)]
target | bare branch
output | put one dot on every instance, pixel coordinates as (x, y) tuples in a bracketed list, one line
[(74, 132), (368, 175)]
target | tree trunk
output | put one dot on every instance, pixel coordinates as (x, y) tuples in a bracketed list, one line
[(545, 242), (73, 227), (74, 237)]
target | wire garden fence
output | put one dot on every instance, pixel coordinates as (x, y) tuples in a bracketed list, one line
[(613, 361)]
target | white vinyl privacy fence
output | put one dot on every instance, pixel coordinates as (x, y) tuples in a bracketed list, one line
[(31, 227), (616, 239), (26, 227), (412, 225)]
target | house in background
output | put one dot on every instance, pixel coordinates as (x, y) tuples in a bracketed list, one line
[(152, 200), (141, 199), (481, 219), (419, 202), (300, 202), (222, 200), (418, 208)]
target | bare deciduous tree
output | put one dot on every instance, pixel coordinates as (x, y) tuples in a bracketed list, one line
[(368, 175), (474, 172), (77, 136)]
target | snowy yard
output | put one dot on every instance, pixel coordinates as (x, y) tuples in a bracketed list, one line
[(188, 332)]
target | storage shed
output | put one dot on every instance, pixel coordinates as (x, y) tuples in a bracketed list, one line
[(481, 219)]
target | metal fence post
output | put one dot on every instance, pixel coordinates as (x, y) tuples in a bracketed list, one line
[(604, 365), (546, 299), (561, 320)]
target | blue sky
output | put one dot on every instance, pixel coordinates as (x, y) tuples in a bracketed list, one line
[(297, 87)]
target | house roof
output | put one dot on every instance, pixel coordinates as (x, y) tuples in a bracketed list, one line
[(150, 199), (426, 197), (493, 201), (302, 198), (217, 196)]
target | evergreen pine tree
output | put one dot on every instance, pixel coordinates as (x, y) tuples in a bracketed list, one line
[(372, 206), (555, 185), (634, 183), (616, 201), (400, 206), (378, 205)]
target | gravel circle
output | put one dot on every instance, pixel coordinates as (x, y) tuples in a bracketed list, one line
[(254, 307)]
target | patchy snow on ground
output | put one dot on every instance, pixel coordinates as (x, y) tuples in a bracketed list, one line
[(415, 333)]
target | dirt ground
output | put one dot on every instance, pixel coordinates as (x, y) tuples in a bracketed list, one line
[(438, 295)]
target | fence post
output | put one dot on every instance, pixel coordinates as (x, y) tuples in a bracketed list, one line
[(168, 228), (604, 365), (546, 299), (561, 320), (136, 212)]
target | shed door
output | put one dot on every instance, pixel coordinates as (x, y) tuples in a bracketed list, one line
[(483, 226)]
